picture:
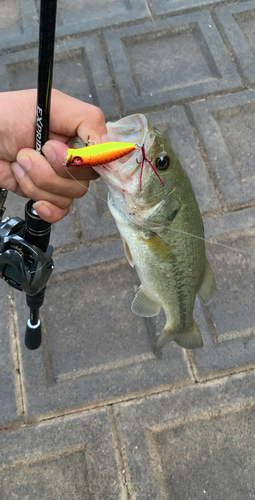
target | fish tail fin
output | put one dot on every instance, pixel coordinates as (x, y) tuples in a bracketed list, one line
[(189, 339), (207, 289)]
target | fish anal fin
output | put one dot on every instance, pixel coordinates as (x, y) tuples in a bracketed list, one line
[(158, 246), (189, 339), (208, 287), (128, 253), (143, 305)]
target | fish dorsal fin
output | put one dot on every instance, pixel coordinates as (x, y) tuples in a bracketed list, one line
[(128, 253), (207, 289), (158, 246), (142, 305)]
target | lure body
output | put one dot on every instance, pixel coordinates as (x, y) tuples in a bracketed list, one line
[(98, 154)]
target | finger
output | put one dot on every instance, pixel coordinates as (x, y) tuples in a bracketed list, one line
[(8, 180), (56, 153), (49, 212), (45, 178), (36, 193), (70, 116)]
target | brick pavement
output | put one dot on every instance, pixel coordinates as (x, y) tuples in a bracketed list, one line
[(93, 414)]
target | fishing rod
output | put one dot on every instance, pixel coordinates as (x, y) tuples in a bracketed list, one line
[(37, 230), (25, 253)]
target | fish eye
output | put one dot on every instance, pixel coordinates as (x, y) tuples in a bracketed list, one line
[(162, 162), (77, 160)]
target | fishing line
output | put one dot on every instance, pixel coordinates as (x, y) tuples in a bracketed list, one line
[(235, 249), (87, 188), (204, 239), (33, 272)]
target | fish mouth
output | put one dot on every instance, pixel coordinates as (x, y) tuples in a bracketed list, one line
[(131, 129)]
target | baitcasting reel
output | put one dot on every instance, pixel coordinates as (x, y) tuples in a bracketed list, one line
[(23, 264)]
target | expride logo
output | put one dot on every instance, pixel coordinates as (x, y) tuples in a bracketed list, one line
[(39, 126)]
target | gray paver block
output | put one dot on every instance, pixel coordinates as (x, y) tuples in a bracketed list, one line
[(99, 254), (191, 443), (94, 216), (80, 70), (102, 326), (18, 23), (94, 348), (174, 124), (8, 411), (224, 126), (212, 450), (232, 221), (229, 335), (232, 310), (68, 458), (193, 61), (164, 6), (19, 18), (237, 25), (98, 14)]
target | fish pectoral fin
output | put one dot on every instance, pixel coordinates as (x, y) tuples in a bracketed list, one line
[(142, 305), (158, 246), (128, 253), (189, 339), (208, 287)]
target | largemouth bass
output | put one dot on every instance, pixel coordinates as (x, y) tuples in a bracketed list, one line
[(159, 221)]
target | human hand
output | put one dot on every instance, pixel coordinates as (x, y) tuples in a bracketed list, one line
[(29, 174)]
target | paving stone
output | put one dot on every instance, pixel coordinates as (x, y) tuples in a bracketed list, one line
[(19, 19), (195, 61), (191, 443), (80, 70), (94, 216), (225, 125), (8, 404), (72, 19), (94, 348), (232, 221), (229, 332), (18, 23), (61, 233), (174, 124), (164, 6), (15, 206), (67, 458), (237, 24), (90, 256)]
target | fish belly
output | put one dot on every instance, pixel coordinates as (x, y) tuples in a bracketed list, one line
[(171, 274), (158, 269)]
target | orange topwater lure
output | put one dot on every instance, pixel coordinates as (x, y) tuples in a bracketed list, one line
[(98, 154)]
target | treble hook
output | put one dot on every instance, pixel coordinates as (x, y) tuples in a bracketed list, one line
[(142, 162)]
